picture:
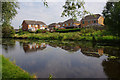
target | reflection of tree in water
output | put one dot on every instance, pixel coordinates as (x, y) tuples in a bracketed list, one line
[(8, 43), (112, 68), (112, 51), (33, 47), (94, 52), (70, 47)]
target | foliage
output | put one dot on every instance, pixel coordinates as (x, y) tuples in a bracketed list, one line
[(74, 36), (8, 31), (112, 17), (10, 70), (9, 10), (68, 30), (23, 32), (41, 31), (74, 9)]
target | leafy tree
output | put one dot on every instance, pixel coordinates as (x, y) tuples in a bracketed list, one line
[(8, 31), (9, 10), (111, 13), (74, 9)]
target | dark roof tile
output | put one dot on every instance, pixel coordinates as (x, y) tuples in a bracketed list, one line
[(34, 22)]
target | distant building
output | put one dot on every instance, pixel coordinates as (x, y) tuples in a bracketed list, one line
[(33, 25), (53, 25), (95, 19), (70, 23)]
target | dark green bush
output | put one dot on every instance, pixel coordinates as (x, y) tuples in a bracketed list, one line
[(8, 31), (23, 32), (41, 31), (68, 30)]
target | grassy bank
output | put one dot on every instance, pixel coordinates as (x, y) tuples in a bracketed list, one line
[(10, 70), (84, 34)]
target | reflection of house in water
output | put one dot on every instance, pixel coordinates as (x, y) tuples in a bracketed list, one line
[(71, 48), (92, 52), (33, 47)]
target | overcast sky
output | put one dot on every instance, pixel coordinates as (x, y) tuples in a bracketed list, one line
[(37, 11)]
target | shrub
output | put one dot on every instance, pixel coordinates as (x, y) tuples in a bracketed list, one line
[(68, 30), (41, 31), (8, 31), (23, 32)]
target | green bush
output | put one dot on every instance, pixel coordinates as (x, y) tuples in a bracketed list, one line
[(23, 32), (8, 31), (68, 30), (41, 31)]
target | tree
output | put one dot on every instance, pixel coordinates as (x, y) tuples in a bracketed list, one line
[(74, 9), (8, 31), (111, 13), (9, 10)]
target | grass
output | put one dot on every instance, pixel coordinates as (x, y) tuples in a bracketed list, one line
[(10, 70), (84, 34)]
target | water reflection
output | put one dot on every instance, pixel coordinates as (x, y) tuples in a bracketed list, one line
[(112, 68), (31, 47), (92, 52), (49, 57), (8, 44)]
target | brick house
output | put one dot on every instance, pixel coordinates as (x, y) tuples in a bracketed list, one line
[(33, 25), (95, 19), (53, 25), (70, 23)]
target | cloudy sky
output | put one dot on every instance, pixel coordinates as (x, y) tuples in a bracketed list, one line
[(37, 11)]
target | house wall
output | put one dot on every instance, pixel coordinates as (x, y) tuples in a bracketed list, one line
[(88, 22), (24, 26), (101, 20), (77, 24)]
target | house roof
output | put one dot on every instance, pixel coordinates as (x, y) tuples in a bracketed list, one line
[(71, 20), (34, 22), (89, 17), (53, 24)]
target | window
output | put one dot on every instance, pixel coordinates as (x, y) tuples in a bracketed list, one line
[(83, 22), (67, 24), (63, 25), (88, 21), (94, 21), (40, 25)]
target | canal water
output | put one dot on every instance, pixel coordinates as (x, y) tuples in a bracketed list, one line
[(64, 59)]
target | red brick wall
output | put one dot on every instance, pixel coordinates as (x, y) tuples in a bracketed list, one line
[(24, 26)]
